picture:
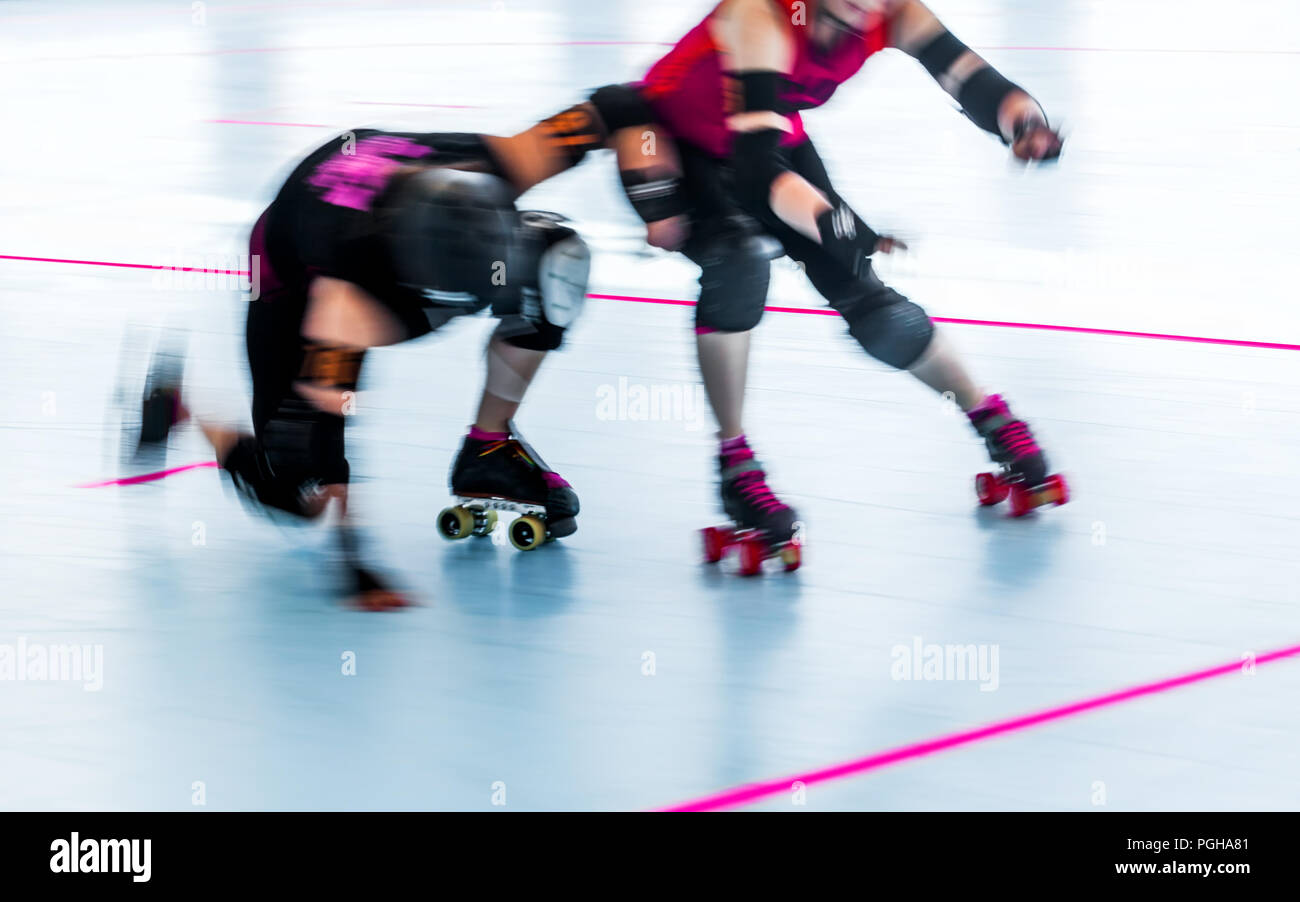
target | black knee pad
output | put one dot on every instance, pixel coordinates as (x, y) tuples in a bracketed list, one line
[(896, 332), (736, 267), (297, 452)]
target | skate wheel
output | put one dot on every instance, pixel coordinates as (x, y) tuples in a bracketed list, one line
[(990, 489), (752, 554), (484, 523), (527, 533), (715, 543), (1061, 489), (792, 556), (1022, 502), (455, 523)]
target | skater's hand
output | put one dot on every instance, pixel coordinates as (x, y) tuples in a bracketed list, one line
[(669, 234), (887, 244), (379, 600), (1035, 140)]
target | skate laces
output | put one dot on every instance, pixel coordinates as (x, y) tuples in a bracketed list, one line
[(755, 490), (550, 479), (1016, 438)]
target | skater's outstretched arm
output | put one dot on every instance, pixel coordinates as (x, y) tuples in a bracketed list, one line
[(992, 102)]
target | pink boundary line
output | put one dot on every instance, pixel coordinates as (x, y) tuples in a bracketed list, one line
[(220, 272), (434, 106), (1046, 327), (1233, 51), (753, 792), (256, 122), (816, 311), (148, 477)]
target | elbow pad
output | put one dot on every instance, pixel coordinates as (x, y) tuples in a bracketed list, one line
[(756, 161), (654, 193), (620, 107)]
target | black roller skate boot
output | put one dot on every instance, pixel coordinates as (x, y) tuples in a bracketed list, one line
[(501, 472), (763, 526), (1023, 471)]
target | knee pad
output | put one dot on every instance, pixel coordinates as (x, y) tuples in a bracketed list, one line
[(896, 332), (736, 266), (555, 264), (297, 452)]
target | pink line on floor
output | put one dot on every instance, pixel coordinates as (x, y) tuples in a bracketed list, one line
[(816, 311), (256, 122), (1047, 327), (148, 477), (753, 792), (434, 106), (221, 272)]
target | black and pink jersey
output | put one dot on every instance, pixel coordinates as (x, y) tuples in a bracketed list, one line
[(691, 93), (323, 221)]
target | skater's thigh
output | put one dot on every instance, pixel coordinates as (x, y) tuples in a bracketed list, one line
[(340, 313), (273, 337)]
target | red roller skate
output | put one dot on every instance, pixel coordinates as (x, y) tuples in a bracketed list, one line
[(1023, 473), (763, 527)]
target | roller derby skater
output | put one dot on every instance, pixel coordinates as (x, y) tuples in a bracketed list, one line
[(378, 238), (753, 186)]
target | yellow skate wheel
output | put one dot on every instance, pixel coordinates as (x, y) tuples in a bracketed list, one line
[(792, 557), (527, 533), (455, 523), (485, 522)]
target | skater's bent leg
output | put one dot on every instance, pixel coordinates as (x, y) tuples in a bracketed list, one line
[(735, 268), (942, 369), (724, 366), (340, 313), (510, 370)]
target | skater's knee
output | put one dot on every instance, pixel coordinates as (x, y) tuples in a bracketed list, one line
[(556, 265), (735, 269), (889, 327)]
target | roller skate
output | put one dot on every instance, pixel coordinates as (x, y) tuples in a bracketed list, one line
[(763, 527), (149, 405), (501, 472), (1023, 472)]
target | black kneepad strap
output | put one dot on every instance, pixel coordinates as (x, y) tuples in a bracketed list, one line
[(330, 366)]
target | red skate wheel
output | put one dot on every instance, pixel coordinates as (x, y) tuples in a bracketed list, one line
[(792, 556), (1022, 502), (1062, 489), (715, 543), (990, 489), (752, 554)]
